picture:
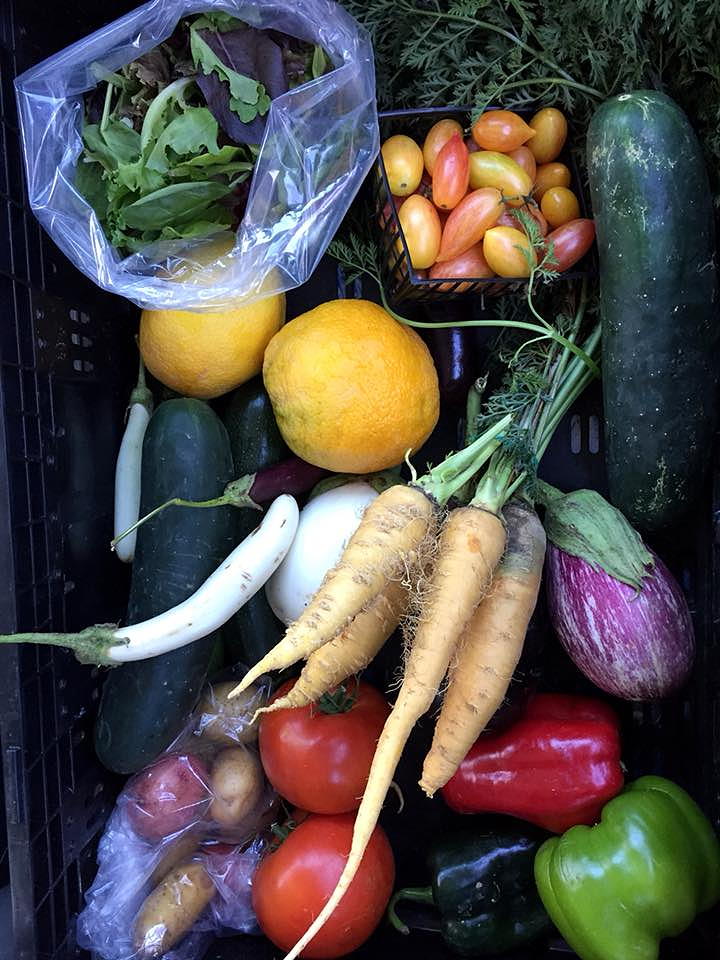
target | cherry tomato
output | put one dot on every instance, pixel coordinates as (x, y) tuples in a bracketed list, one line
[(491, 169), (551, 129), (524, 158), (437, 137), (320, 761), (550, 175), (422, 231), (293, 883), (385, 220), (404, 164), (509, 220), (508, 252), (468, 222), (559, 205), (471, 263), (450, 174), (571, 242), (501, 130)]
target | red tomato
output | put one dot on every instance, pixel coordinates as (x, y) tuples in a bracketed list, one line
[(472, 263), (292, 885), (467, 224), (571, 242), (321, 761), (451, 174)]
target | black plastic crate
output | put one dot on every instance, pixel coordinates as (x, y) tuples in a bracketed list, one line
[(401, 280), (67, 363)]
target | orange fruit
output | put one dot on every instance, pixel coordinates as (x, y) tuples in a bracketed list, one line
[(204, 355), (351, 388)]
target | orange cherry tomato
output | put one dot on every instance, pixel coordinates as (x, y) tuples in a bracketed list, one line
[(422, 231), (404, 164), (550, 175), (491, 169), (451, 174), (570, 243), (437, 137), (551, 129), (471, 263), (508, 252), (501, 130), (559, 205), (524, 158), (468, 222)]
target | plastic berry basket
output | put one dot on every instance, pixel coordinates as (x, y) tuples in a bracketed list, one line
[(401, 281)]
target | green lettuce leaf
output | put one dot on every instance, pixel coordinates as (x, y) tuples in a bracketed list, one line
[(170, 206), (194, 130)]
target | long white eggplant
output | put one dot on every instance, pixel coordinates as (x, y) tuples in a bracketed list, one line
[(128, 468), (236, 580)]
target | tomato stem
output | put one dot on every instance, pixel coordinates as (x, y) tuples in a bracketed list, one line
[(339, 700)]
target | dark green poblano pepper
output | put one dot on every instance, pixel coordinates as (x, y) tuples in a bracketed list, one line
[(483, 886)]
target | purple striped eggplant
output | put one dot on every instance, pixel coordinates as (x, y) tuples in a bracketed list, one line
[(616, 608)]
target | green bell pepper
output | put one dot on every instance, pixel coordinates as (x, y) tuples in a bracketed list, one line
[(483, 886), (643, 873)]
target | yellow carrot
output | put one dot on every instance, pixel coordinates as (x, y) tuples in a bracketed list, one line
[(387, 541), (470, 546), (489, 649), (348, 653)]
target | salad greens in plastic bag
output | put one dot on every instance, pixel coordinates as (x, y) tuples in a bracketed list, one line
[(194, 153)]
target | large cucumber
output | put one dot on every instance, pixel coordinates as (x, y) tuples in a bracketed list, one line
[(658, 287), (256, 443), (144, 705)]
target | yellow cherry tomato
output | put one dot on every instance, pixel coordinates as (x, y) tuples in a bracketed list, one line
[(490, 169), (508, 252), (404, 164), (438, 136), (559, 205), (551, 129), (550, 175), (501, 130), (524, 158), (422, 231)]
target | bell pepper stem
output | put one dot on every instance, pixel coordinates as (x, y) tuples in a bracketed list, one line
[(417, 895)]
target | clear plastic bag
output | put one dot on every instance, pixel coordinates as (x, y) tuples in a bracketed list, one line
[(319, 143), (176, 860)]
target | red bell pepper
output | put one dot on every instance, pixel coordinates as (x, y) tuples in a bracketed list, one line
[(557, 766)]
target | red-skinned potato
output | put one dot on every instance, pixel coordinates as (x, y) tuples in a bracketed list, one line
[(571, 242), (168, 796)]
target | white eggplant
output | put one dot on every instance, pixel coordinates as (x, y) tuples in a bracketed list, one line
[(236, 580), (128, 468)]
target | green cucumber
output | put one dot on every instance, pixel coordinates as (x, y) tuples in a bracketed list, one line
[(658, 294), (255, 438), (256, 443), (145, 704)]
